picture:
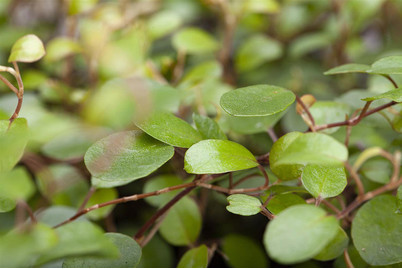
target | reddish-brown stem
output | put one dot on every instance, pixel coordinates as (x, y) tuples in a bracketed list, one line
[(153, 231), (266, 213), (318, 201), (356, 178), (305, 108), (20, 93), (86, 199), (9, 85), (391, 80), (331, 206)]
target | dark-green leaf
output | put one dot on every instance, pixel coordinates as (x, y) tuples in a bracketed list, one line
[(217, 156), (208, 128), (257, 100), (242, 204), (195, 258)]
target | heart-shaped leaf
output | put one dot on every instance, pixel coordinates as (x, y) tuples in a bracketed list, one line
[(257, 100), (27, 49), (217, 156), (348, 68), (242, 204), (394, 95), (195, 258), (126, 156)]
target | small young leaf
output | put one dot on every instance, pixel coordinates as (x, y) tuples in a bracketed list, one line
[(217, 156), (129, 250), (387, 66), (394, 95), (242, 204), (377, 233), (299, 233), (323, 181), (27, 49), (280, 202), (208, 128), (182, 224), (195, 258), (243, 252), (126, 156), (194, 41), (335, 247), (170, 129), (348, 68), (257, 100)]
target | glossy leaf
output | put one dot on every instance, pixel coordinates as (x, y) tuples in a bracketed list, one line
[(257, 100), (184, 218), (129, 255), (158, 183), (27, 49), (61, 47), (195, 258), (376, 231), (323, 181), (217, 156), (242, 204), (299, 233), (394, 95), (334, 248), (280, 202), (243, 252), (348, 68), (208, 128), (387, 66), (12, 142), (98, 197), (194, 41), (126, 156), (170, 129)]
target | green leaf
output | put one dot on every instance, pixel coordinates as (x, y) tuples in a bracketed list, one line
[(334, 248), (194, 41), (126, 156), (158, 183), (182, 224), (399, 200), (101, 196), (79, 239), (377, 233), (16, 185), (325, 112), (199, 73), (294, 150), (157, 254), (217, 156), (208, 128), (61, 47), (57, 214), (129, 255), (299, 233), (170, 129), (79, 6), (242, 204), (260, 6), (253, 125), (12, 142), (257, 100), (27, 49), (163, 23), (255, 51), (243, 252), (323, 181), (394, 95), (20, 248), (387, 66), (280, 202), (195, 258), (348, 68)]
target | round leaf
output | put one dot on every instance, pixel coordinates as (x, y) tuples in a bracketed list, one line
[(348, 68), (217, 156), (387, 66), (334, 248), (130, 254), (280, 202), (394, 95), (257, 100), (377, 233), (126, 156), (323, 181), (195, 258), (194, 41), (299, 233), (27, 49), (170, 129), (242, 204)]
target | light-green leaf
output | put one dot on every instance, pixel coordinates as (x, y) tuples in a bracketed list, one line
[(394, 95), (61, 47), (27, 49), (348, 68), (257, 100), (387, 66), (182, 224), (217, 156), (299, 233), (16, 184), (242, 204), (129, 250), (170, 129), (195, 258), (126, 156), (208, 128), (280, 202), (194, 41), (323, 181), (377, 233), (335, 247)]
